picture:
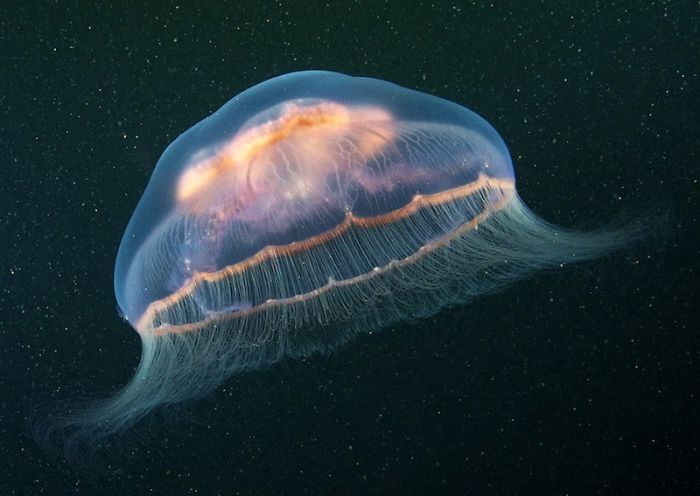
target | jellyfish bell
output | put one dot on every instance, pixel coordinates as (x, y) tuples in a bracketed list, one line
[(309, 208)]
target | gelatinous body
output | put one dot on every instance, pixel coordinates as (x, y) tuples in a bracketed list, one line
[(309, 208)]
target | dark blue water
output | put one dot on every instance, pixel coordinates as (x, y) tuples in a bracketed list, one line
[(579, 381)]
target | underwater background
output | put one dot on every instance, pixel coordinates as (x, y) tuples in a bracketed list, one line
[(581, 380)]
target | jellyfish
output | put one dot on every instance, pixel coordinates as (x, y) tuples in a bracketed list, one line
[(308, 209)]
